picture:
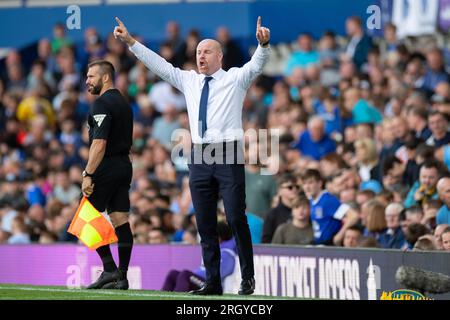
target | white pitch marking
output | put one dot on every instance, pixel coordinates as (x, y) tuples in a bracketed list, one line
[(133, 294)]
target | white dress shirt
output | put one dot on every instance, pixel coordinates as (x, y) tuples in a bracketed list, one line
[(227, 91), (351, 47)]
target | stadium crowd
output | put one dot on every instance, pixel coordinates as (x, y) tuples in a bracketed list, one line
[(363, 124)]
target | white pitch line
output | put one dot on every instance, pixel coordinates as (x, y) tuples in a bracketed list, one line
[(124, 293)]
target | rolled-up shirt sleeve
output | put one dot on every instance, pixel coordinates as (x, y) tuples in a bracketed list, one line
[(253, 68), (158, 65), (341, 211)]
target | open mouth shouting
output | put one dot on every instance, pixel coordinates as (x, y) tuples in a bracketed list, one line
[(203, 65)]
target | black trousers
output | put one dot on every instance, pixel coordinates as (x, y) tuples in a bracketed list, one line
[(224, 177)]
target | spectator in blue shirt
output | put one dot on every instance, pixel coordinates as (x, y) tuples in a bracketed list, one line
[(393, 237), (417, 122), (443, 187), (424, 189), (443, 155), (255, 224), (329, 111), (446, 156), (440, 135), (304, 56), (314, 142), (327, 212), (361, 110), (436, 72)]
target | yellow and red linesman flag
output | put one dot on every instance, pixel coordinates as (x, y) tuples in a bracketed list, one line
[(91, 227)]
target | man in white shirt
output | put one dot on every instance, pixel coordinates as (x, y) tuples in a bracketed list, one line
[(214, 100), (359, 44)]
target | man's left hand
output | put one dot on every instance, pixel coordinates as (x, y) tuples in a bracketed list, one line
[(87, 187), (262, 33)]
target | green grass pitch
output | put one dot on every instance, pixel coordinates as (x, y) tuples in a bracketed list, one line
[(29, 292)]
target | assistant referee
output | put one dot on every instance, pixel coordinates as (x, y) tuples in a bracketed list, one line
[(108, 173)]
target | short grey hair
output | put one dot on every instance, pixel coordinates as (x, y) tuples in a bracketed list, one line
[(397, 207), (315, 118)]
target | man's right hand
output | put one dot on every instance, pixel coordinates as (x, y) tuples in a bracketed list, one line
[(121, 33)]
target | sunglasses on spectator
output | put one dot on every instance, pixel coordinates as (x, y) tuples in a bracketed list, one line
[(292, 187)]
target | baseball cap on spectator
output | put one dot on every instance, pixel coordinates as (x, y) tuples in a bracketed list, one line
[(373, 185)]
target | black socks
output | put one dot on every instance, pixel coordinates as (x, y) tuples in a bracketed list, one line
[(108, 262), (125, 237)]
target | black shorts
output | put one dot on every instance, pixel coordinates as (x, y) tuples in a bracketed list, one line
[(112, 184)]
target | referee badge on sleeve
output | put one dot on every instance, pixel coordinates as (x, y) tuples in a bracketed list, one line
[(99, 118)]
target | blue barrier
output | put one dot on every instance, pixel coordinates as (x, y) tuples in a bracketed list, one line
[(24, 25)]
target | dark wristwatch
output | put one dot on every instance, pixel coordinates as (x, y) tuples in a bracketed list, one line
[(85, 174)]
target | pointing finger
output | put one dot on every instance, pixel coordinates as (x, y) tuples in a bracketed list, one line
[(119, 22), (258, 23)]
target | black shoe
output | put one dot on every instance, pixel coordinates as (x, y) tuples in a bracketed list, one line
[(120, 282), (117, 285), (247, 287), (105, 277), (208, 290)]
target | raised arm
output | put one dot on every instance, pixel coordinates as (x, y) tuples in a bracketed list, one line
[(152, 61), (351, 218), (255, 66), (121, 33), (262, 34)]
